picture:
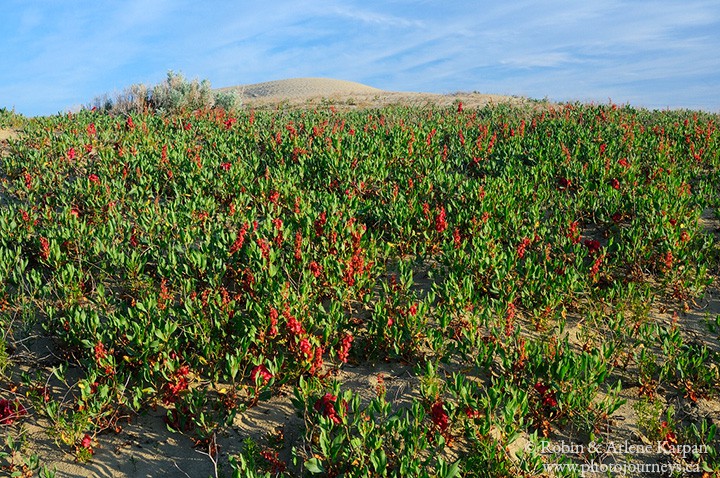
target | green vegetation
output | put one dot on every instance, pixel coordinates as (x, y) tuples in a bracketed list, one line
[(9, 119), (173, 96), (206, 260)]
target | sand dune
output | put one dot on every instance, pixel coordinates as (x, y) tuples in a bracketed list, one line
[(350, 95), (296, 87)]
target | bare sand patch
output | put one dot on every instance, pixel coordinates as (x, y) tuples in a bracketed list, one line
[(5, 135)]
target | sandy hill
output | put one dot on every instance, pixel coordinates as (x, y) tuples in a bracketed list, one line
[(303, 87), (349, 94)]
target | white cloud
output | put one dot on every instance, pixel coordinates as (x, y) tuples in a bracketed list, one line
[(374, 18), (653, 53), (538, 60)]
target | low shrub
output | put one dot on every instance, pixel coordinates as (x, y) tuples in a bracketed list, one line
[(174, 95)]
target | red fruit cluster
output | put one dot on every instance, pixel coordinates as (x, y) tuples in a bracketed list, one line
[(412, 310), (320, 224), (457, 238), (344, 349), (25, 215), (178, 384), (264, 248), (44, 248), (230, 122), (546, 395), (100, 352), (317, 362), (669, 438), (296, 334), (509, 319), (439, 416), (573, 232), (262, 373), (165, 295), (440, 220), (273, 322), (306, 348), (668, 259), (593, 246), (430, 136), (11, 411), (355, 266), (595, 269), (523, 246), (86, 443), (278, 224), (298, 246), (294, 326), (315, 268), (277, 466), (326, 406), (239, 240)]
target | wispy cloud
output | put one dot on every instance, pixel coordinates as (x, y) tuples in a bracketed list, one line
[(539, 59), (653, 54), (374, 18)]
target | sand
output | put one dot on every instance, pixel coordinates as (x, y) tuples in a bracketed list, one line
[(350, 95)]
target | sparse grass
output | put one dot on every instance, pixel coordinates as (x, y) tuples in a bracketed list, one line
[(9, 119)]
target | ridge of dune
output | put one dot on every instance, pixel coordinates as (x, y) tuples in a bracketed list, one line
[(297, 87), (304, 92)]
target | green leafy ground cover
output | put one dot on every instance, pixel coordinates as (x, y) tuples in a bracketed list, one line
[(514, 259)]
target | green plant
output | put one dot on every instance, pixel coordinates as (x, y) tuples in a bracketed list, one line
[(4, 357), (202, 261), (178, 94), (15, 459), (174, 95), (703, 434), (227, 100), (344, 437), (11, 119), (651, 420), (256, 462)]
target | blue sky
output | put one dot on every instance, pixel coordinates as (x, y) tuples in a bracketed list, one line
[(58, 54)]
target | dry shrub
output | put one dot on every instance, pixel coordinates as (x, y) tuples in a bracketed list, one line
[(174, 95)]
